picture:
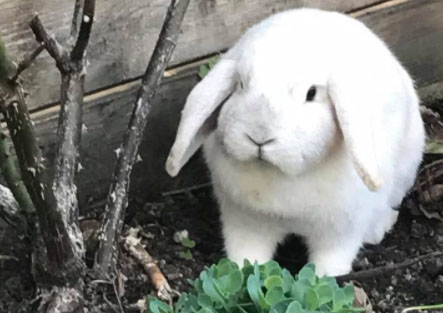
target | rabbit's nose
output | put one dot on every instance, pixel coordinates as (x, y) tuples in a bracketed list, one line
[(260, 143)]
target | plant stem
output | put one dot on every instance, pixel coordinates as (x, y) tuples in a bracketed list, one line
[(423, 307)]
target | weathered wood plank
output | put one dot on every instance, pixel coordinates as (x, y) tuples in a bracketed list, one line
[(414, 30), (106, 113), (125, 32), (105, 119)]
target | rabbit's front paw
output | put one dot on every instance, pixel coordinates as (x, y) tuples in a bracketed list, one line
[(248, 243), (334, 258), (249, 236), (330, 267)]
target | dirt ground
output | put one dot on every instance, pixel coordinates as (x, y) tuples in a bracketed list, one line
[(196, 212)]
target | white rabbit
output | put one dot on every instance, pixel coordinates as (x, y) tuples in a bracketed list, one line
[(310, 126)]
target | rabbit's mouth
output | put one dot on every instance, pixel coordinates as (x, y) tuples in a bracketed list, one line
[(257, 158)]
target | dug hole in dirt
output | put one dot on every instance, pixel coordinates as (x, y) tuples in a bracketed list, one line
[(419, 231)]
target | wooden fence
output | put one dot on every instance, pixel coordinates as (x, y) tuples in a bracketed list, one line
[(122, 40)]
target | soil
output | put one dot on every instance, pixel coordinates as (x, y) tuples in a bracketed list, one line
[(196, 212)]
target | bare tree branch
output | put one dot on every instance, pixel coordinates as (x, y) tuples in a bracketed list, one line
[(27, 61), (69, 133), (55, 50), (59, 264), (384, 270), (70, 118), (118, 194), (85, 30), (75, 17), (60, 249)]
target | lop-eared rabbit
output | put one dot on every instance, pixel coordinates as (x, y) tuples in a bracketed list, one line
[(311, 126)]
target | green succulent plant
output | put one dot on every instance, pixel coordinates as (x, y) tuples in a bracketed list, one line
[(205, 68), (225, 288)]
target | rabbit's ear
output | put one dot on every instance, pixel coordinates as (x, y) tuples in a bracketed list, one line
[(357, 118), (198, 118)]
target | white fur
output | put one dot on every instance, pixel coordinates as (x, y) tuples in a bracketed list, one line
[(336, 166)]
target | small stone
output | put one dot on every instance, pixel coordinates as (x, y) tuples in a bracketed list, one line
[(383, 305), (433, 267), (173, 276)]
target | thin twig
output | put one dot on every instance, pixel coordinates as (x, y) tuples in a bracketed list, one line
[(431, 165), (8, 258), (55, 50), (117, 296), (133, 245), (100, 281), (423, 307), (27, 61), (118, 195), (186, 190), (75, 17), (85, 30), (111, 305), (383, 270)]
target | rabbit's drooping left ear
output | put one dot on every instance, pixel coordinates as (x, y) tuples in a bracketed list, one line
[(356, 118), (197, 118)]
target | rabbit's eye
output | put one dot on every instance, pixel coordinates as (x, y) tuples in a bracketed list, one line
[(311, 93)]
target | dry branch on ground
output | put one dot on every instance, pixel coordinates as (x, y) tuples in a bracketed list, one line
[(133, 245)]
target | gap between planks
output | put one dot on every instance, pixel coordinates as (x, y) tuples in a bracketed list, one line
[(376, 7)]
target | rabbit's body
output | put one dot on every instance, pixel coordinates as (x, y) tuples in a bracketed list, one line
[(319, 136)]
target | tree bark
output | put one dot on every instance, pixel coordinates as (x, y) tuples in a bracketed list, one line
[(117, 199), (60, 270)]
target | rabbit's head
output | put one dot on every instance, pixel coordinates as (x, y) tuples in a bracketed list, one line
[(271, 104), (285, 122)]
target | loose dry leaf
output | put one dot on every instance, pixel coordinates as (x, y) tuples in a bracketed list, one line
[(362, 300)]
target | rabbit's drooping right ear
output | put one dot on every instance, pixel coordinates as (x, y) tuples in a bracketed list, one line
[(356, 116), (197, 118)]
